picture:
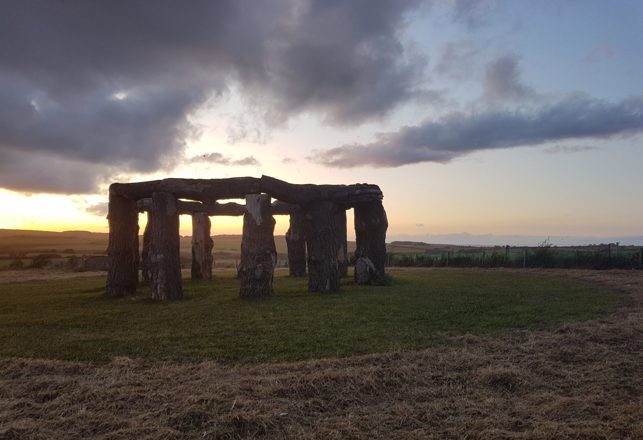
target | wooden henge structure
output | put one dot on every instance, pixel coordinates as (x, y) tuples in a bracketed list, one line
[(316, 238)]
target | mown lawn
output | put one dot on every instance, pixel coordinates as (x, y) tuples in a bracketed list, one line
[(69, 319)]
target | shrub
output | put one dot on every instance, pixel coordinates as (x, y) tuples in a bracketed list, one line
[(40, 261)]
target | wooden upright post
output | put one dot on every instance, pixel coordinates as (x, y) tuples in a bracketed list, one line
[(201, 247), (342, 241), (145, 254), (296, 242), (258, 251), (321, 243), (122, 251), (370, 234), (165, 262)]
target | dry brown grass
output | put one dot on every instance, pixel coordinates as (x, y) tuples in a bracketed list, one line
[(579, 381)]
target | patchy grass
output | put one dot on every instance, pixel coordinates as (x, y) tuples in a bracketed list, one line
[(69, 319), (572, 381)]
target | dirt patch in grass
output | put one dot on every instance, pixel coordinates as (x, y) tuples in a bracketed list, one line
[(578, 381)]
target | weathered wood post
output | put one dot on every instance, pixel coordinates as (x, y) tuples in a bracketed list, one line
[(145, 253), (321, 242), (201, 247), (342, 241), (370, 236), (296, 241), (258, 251), (122, 250), (165, 263)]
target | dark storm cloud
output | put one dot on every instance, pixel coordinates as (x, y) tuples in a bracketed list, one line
[(113, 83), (95, 126), (502, 80), (220, 159), (36, 172), (577, 117)]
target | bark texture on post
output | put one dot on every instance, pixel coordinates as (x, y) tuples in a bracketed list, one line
[(342, 241), (122, 251), (296, 241), (165, 263), (365, 272), (370, 233), (145, 253), (201, 247), (258, 251), (321, 242)]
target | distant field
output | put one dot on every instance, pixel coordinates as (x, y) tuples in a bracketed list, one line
[(70, 319)]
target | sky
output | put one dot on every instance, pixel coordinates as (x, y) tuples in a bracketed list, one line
[(481, 121)]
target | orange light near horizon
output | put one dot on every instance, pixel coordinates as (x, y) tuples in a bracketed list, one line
[(50, 212)]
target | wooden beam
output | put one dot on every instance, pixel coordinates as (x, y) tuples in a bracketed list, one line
[(205, 190), (189, 208), (213, 209), (282, 208), (210, 190), (344, 195)]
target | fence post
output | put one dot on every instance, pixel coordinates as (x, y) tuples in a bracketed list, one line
[(641, 258), (524, 258), (506, 255), (448, 256), (483, 255)]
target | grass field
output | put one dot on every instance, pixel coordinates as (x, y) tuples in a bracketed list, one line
[(69, 319)]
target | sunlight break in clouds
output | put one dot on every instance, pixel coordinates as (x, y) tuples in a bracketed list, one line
[(220, 159)]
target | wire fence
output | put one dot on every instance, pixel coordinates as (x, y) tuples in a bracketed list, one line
[(610, 256)]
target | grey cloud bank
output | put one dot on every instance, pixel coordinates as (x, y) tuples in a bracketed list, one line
[(112, 84), (458, 134)]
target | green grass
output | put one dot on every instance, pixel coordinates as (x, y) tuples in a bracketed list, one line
[(69, 319)]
